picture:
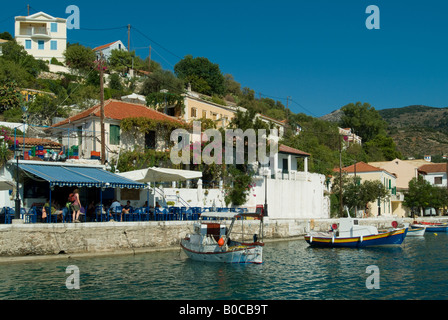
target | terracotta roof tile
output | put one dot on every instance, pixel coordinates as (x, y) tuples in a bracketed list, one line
[(432, 168), (37, 142), (119, 110), (361, 167), (286, 149), (104, 46)]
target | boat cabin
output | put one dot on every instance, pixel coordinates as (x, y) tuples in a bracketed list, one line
[(349, 227)]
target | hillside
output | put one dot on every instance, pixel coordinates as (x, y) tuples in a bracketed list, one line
[(418, 130)]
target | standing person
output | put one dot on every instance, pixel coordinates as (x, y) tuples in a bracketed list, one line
[(76, 204)]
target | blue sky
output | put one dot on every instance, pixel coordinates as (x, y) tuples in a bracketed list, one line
[(319, 53)]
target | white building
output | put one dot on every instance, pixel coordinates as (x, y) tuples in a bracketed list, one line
[(43, 36), (434, 173), (106, 49)]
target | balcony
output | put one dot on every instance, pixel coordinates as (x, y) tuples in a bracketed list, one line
[(36, 32)]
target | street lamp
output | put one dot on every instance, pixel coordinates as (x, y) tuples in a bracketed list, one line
[(17, 154), (266, 192)]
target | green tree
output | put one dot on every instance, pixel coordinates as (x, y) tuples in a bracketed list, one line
[(357, 194), (162, 79), (9, 96), (381, 147), (363, 119), (43, 109), (115, 82), (203, 75), (79, 57), (121, 60), (419, 194), (15, 53)]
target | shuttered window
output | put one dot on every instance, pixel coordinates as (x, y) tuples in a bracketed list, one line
[(114, 134)]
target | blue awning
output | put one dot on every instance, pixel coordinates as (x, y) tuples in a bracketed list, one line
[(78, 176)]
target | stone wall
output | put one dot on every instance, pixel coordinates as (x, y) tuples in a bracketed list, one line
[(115, 237)]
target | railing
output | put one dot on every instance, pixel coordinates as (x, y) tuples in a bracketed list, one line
[(35, 31)]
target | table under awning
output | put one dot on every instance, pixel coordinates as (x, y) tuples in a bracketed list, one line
[(79, 176)]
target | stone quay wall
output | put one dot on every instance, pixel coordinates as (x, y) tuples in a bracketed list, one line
[(99, 238)]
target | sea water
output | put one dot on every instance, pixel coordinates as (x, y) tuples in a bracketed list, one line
[(291, 271)]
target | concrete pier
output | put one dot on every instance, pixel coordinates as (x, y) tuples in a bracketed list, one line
[(42, 240)]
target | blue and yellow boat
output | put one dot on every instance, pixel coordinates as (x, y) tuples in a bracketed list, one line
[(349, 234)]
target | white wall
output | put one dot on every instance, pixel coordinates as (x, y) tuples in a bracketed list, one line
[(302, 198)]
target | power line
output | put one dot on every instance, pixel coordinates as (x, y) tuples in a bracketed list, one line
[(103, 29), (144, 35), (304, 108)]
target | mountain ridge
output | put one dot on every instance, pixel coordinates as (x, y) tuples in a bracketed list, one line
[(417, 130)]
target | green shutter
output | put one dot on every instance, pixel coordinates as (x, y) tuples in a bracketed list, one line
[(114, 134)]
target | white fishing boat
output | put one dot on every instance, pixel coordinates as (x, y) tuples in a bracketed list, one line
[(415, 230), (211, 240)]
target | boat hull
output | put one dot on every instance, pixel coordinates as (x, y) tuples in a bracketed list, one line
[(432, 228), (394, 237), (416, 232), (242, 254)]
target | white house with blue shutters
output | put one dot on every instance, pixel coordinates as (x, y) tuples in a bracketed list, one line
[(43, 36)]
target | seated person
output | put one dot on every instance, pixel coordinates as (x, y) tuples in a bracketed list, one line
[(55, 210), (113, 208), (127, 208)]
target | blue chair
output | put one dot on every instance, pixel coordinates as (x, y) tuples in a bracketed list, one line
[(144, 214), (161, 214), (9, 214), (52, 217), (101, 216), (117, 213), (189, 214), (30, 216)]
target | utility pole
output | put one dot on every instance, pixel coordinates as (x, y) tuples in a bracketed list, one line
[(103, 139), (129, 37), (28, 8), (149, 59)]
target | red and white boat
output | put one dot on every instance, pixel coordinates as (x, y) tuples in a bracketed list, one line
[(211, 240)]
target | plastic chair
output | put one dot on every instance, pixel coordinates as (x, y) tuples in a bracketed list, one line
[(117, 213), (101, 216), (30, 216), (52, 217), (144, 214), (9, 214)]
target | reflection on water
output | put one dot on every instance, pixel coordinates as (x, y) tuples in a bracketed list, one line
[(292, 270)]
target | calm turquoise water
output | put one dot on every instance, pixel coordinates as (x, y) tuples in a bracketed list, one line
[(292, 270)]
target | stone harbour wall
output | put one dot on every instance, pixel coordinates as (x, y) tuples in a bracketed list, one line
[(19, 240)]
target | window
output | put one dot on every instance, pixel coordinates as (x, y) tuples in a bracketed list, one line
[(54, 27), (28, 44), (40, 45), (150, 140), (204, 114), (193, 113), (285, 166), (114, 134), (437, 180), (54, 45)]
